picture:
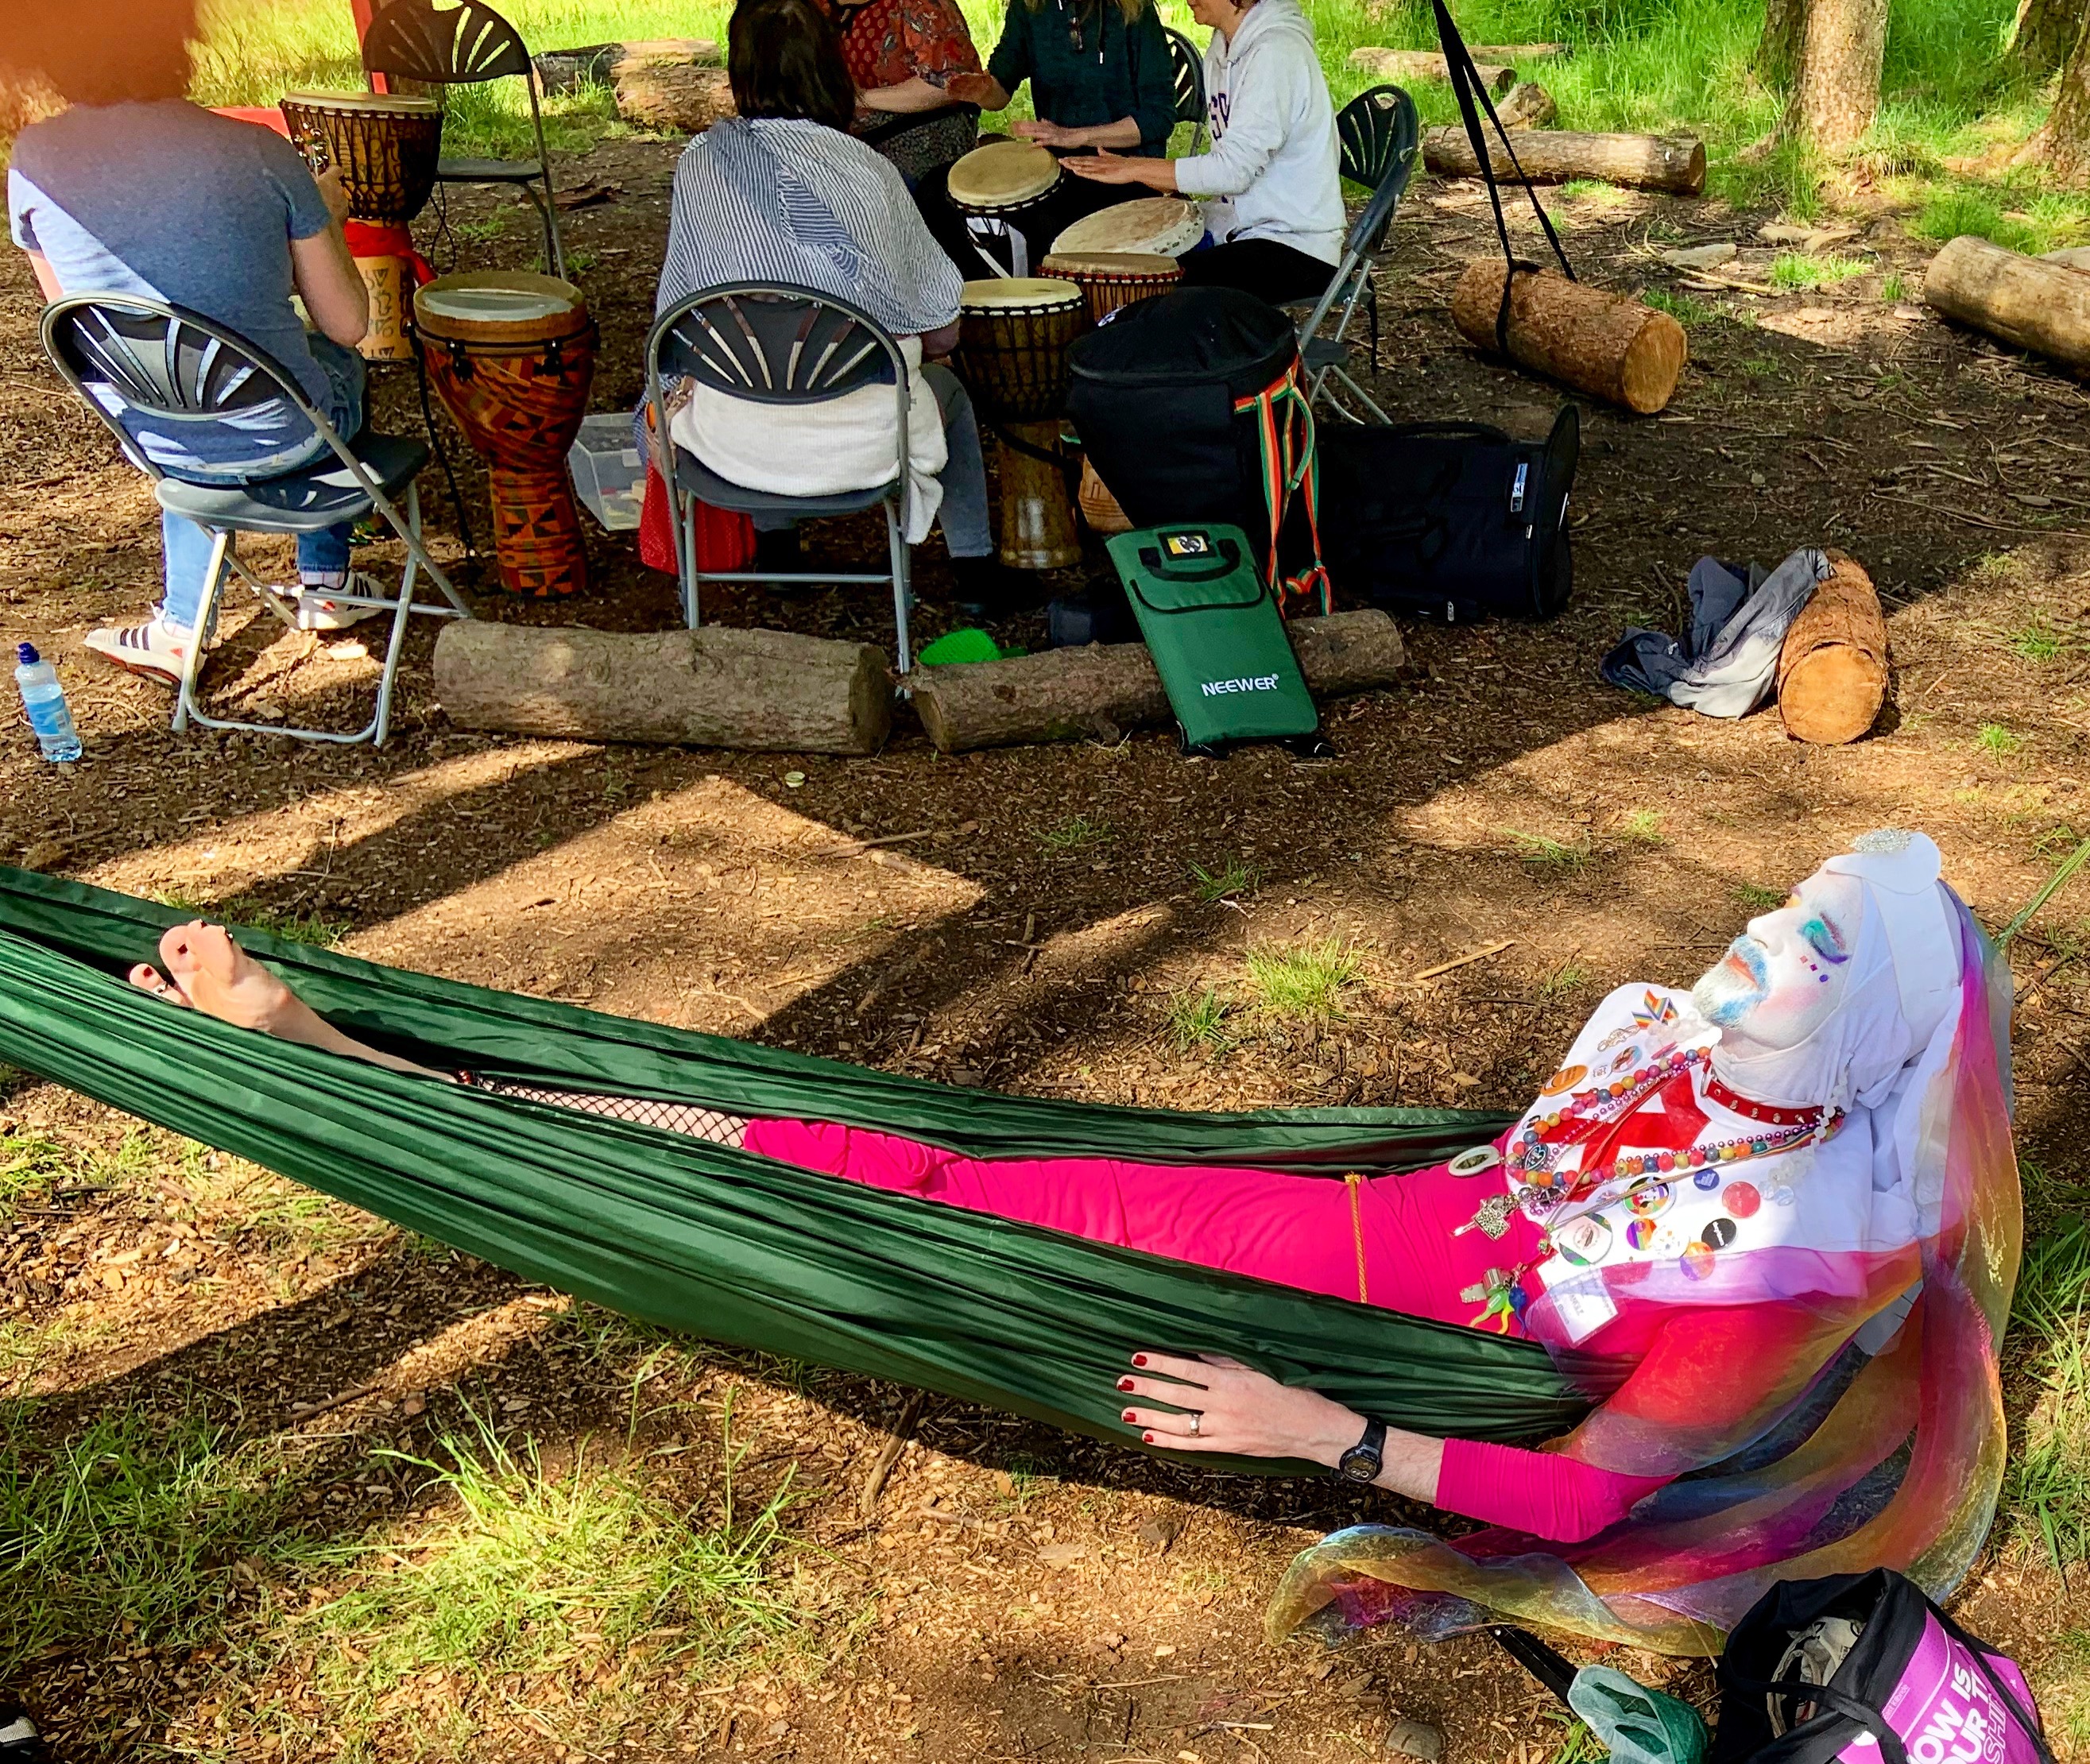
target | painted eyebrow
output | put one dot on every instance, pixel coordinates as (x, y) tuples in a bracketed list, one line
[(1821, 931)]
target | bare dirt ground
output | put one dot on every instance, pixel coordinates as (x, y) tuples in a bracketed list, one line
[(1013, 1594)]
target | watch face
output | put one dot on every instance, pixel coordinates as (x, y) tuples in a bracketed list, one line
[(1358, 1464)]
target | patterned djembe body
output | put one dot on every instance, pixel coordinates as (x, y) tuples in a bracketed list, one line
[(512, 357)]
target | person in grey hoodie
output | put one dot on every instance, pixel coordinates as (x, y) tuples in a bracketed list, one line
[(1271, 186)]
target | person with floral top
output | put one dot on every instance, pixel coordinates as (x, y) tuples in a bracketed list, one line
[(900, 54)]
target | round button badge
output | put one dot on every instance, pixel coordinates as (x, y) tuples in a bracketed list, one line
[(1719, 1232)]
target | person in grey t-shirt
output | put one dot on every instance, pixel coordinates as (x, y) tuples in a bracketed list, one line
[(239, 227)]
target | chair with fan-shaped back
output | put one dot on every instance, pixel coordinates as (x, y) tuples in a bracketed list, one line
[(464, 45), (1186, 69), (771, 343), (1380, 138), (150, 371)]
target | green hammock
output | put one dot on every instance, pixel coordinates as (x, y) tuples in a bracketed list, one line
[(719, 1242)]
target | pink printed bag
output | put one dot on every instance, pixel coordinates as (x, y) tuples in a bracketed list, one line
[(1865, 1668)]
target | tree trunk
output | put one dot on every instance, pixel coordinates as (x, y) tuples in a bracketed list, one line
[(2043, 34), (1779, 44), (760, 691), (2027, 301), (1604, 344), (1060, 695), (678, 97), (1832, 669), (1675, 163), (2067, 132), (1836, 78)]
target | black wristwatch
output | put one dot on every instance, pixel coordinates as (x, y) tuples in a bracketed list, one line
[(1364, 1460)]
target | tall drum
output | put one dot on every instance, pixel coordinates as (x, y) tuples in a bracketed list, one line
[(1167, 226), (995, 186), (512, 356), (1013, 335), (385, 149)]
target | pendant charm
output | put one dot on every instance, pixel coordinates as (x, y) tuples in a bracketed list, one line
[(1475, 1161), (1491, 1219), (1498, 1297)]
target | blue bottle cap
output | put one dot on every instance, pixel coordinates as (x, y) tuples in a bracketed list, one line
[(26, 654)]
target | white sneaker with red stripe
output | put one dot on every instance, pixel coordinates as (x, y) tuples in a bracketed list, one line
[(155, 649), (316, 611)]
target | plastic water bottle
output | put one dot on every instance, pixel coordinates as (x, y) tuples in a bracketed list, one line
[(45, 700)]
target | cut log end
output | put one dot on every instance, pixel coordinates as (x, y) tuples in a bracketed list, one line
[(1653, 364), (1607, 344), (1833, 667)]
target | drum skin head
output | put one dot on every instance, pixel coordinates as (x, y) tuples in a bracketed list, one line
[(1100, 264), (1163, 226), (1021, 293), (1002, 175), (499, 306), (379, 103)]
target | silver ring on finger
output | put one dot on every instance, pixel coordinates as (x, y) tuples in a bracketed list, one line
[(1196, 1423)]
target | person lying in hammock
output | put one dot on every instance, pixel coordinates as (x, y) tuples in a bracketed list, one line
[(1714, 1194)]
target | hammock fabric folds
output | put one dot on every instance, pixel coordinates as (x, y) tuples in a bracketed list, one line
[(721, 1243)]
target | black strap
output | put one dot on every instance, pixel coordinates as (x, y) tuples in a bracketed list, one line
[(1827, 1697), (1552, 1669), (1466, 87)]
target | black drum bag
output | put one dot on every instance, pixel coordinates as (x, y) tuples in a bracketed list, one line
[(1152, 393), (1450, 521)]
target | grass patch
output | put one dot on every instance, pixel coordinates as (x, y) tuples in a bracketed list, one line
[(1306, 981), (565, 1590), (30, 1165), (2047, 1486), (1235, 876), (1761, 900), (2042, 641), (1799, 269), (1198, 1020), (1643, 827), (1680, 307), (1893, 289), (1996, 741), (1542, 853), (1076, 833), (146, 1527), (1567, 978), (2040, 221), (244, 912)]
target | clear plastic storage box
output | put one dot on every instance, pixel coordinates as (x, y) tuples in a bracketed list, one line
[(608, 471)]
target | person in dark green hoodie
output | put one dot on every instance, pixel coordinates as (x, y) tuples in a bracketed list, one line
[(1100, 79)]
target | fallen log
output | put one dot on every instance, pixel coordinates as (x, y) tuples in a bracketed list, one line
[(1426, 64), (675, 98), (762, 691), (595, 64), (1517, 51), (1062, 694), (1607, 344), (1675, 163), (1832, 668), (2041, 306)]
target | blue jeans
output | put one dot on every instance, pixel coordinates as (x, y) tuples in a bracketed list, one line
[(186, 547)]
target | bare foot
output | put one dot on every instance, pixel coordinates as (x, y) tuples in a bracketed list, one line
[(209, 972)]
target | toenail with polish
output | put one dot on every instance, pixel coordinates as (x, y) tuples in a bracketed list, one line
[(1130, 1414), (1139, 1359), (1125, 1383), (1148, 1437)]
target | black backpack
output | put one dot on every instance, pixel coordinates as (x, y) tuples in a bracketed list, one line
[(1449, 521)]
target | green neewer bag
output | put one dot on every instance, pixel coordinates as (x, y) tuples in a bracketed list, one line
[(1216, 638)]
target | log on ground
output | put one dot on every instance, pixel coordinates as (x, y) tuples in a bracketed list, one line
[(676, 97), (2041, 306), (1062, 694), (595, 64), (1675, 163), (1832, 668), (1517, 51), (1528, 105), (1427, 64), (1607, 344), (765, 691)]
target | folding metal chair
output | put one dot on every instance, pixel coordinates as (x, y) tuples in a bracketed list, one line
[(1188, 68), (770, 343), (468, 45), (177, 367), (1381, 138)]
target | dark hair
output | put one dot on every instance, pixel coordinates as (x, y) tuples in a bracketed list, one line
[(784, 59), (136, 51)]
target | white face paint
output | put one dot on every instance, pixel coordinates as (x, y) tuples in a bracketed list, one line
[(1780, 980)]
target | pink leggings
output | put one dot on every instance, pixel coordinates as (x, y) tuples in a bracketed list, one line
[(1381, 1240)]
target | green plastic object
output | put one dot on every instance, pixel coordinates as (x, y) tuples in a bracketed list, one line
[(719, 1242), (1216, 636), (968, 643), (1640, 1726)]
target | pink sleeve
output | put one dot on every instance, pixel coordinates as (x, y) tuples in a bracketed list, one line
[(1539, 1492)]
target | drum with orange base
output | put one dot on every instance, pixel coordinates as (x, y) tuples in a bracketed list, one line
[(512, 356), (1109, 279)]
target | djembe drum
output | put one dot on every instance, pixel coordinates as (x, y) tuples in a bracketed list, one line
[(1164, 226), (994, 186), (512, 356), (1109, 279), (386, 149), (1013, 333)]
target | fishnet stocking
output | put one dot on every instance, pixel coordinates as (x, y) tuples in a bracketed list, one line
[(711, 1124)]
